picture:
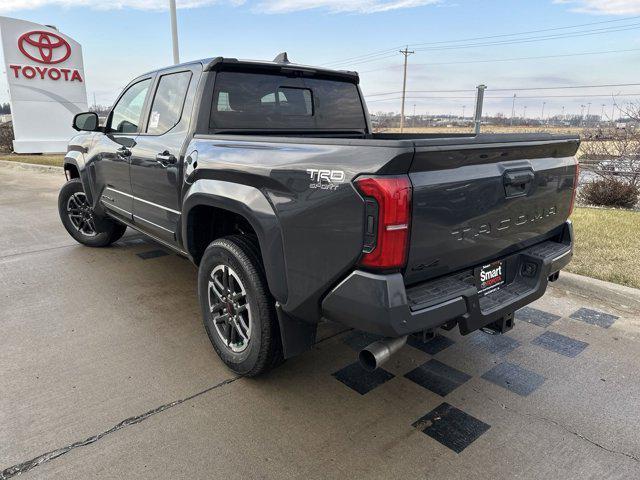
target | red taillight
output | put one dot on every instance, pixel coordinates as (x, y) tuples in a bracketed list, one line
[(390, 239), (576, 179)]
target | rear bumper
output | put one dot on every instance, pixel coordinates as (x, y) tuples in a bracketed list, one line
[(382, 305)]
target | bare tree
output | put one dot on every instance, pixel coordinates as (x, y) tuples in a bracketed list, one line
[(615, 150)]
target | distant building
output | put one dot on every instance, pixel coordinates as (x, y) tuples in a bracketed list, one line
[(5, 118)]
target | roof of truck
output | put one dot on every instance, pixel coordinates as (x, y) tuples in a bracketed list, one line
[(281, 63)]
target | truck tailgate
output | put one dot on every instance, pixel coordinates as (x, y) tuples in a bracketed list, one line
[(480, 201)]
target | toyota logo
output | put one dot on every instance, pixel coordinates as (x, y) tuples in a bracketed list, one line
[(44, 47)]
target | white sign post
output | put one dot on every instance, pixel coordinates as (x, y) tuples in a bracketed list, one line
[(46, 85)]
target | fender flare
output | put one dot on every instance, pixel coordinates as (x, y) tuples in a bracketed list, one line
[(250, 203), (75, 157)]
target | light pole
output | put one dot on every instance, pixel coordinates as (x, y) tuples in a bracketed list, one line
[(174, 31)]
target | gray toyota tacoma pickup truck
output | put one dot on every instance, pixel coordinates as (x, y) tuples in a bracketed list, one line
[(268, 177)]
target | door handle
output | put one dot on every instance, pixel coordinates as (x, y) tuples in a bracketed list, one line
[(165, 158), (124, 152)]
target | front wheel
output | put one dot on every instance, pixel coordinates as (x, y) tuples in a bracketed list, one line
[(79, 220), (237, 308)]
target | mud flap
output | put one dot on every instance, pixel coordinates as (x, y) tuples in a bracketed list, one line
[(297, 336)]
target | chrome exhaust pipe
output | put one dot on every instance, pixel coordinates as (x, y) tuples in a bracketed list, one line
[(376, 354)]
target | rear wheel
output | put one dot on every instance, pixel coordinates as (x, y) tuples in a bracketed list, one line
[(79, 220), (237, 308)]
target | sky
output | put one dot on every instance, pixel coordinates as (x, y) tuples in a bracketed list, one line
[(458, 44)]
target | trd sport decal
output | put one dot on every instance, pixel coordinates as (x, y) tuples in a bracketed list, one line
[(325, 179)]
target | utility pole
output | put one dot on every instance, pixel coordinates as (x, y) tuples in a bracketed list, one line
[(542, 116), (588, 110), (524, 113), (414, 115), (602, 113), (174, 31), (513, 108), (463, 108), (562, 116), (406, 52)]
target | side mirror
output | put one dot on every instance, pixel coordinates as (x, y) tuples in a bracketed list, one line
[(86, 122)]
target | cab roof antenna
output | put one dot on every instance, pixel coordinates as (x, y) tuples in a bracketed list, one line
[(281, 58)]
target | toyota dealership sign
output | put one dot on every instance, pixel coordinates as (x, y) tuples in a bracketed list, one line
[(46, 84)]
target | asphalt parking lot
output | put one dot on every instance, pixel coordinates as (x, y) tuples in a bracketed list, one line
[(106, 372)]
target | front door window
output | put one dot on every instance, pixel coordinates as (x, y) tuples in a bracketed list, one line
[(127, 113)]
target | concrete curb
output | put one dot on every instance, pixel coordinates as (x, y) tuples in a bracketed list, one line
[(31, 166), (626, 298)]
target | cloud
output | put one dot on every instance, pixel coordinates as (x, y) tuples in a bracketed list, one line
[(263, 6), (604, 7), (340, 6), (7, 6)]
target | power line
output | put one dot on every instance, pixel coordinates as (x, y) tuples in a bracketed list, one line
[(357, 57), (604, 85), (488, 37), (506, 97), (419, 91), (586, 33), (360, 62), (563, 36), (520, 89), (541, 57), (501, 43), (527, 32), (588, 95)]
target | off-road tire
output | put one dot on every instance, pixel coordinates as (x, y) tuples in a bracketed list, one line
[(110, 230), (264, 348)]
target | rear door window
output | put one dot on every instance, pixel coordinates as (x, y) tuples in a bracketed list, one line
[(166, 108), (243, 100)]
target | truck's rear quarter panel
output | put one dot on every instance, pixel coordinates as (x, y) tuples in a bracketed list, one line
[(322, 229)]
